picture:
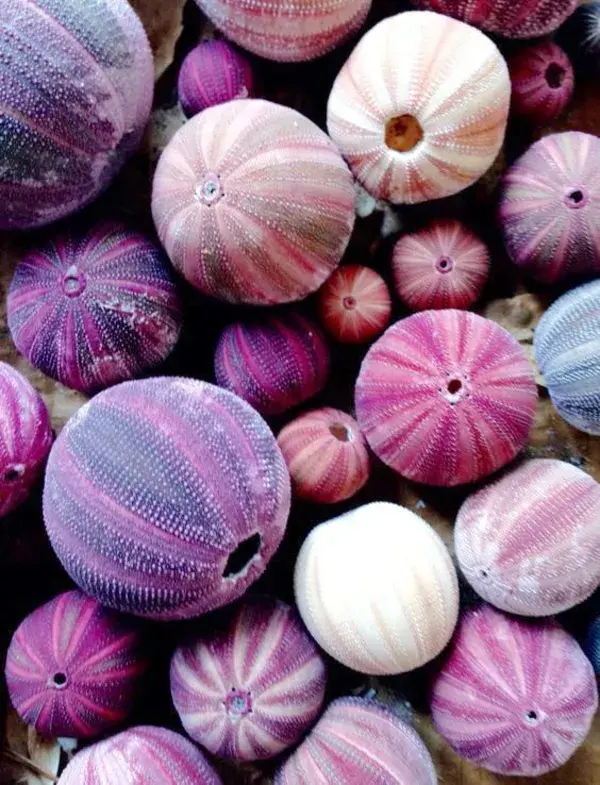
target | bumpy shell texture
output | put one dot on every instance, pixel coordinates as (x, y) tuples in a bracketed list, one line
[(284, 31), (542, 82), (94, 308), (377, 589), (154, 756), (359, 741), (252, 689), (566, 351), (419, 110), (73, 667), (550, 207), (253, 203), (166, 498), (75, 95), (442, 265), (25, 438), (446, 397), (514, 697)]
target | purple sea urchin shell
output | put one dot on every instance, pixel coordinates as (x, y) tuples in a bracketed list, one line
[(359, 741), (166, 497), (274, 364), (514, 697), (95, 308), (75, 93), (73, 668), (542, 82), (252, 689)]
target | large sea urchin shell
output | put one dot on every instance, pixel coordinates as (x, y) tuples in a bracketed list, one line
[(253, 203), (542, 82), (73, 667), (446, 397), (514, 697), (94, 308), (166, 497), (419, 110), (377, 589), (75, 95), (249, 691)]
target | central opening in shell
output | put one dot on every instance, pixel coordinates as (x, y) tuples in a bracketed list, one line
[(444, 264), (240, 558), (238, 703), (59, 679), (575, 196), (555, 75), (341, 432), (349, 303), (74, 282), (13, 473), (532, 717), (454, 386), (403, 133)]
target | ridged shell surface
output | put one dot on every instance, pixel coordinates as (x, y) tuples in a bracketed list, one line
[(252, 689), (377, 589), (166, 497), (75, 95), (542, 82), (94, 308), (446, 397), (359, 741), (419, 110), (514, 697), (253, 203), (73, 668)]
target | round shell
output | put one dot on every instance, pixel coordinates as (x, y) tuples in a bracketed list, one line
[(252, 689), (542, 82), (514, 697), (166, 498), (419, 110), (446, 397), (253, 203), (377, 589)]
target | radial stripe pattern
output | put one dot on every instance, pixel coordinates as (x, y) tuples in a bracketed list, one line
[(542, 82)]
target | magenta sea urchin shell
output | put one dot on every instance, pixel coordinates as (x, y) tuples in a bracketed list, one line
[(95, 308), (253, 203), (420, 108), (443, 265), (166, 497), (542, 82), (359, 741), (514, 697), (446, 397), (249, 691), (76, 91), (73, 667)]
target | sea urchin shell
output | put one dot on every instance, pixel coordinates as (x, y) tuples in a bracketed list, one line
[(542, 82)]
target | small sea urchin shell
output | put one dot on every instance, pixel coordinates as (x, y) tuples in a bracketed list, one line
[(514, 697), (443, 265), (359, 741), (446, 397), (73, 667), (419, 110), (542, 82), (250, 690)]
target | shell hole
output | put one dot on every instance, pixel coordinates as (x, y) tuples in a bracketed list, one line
[(484, 573), (555, 75), (13, 473), (241, 557), (532, 715), (444, 264), (349, 303), (341, 432), (403, 133), (59, 679), (576, 196), (454, 386)]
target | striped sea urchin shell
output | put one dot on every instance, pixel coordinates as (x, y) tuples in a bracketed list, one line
[(542, 82), (73, 668), (252, 689), (419, 110), (326, 454), (443, 265), (359, 741), (166, 497), (253, 203), (446, 397), (514, 697), (94, 308)]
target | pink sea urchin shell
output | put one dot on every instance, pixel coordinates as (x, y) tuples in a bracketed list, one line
[(253, 203), (550, 207), (75, 93), (95, 308), (359, 741), (354, 304), (326, 454), (514, 697), (25, 438), (73, 667), (419, 110), (446, 397), (166, 497), (252, 689), (443, 265), (535, 558), (542, 82)]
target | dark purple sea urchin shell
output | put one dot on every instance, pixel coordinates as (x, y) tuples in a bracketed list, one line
[(166, 497), (542, 82)]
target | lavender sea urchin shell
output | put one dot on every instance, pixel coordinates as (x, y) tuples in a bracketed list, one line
[(542, 82)]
